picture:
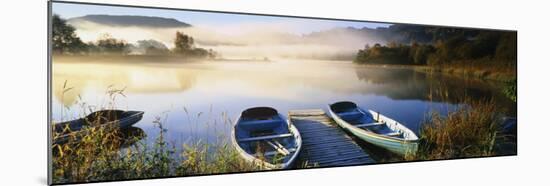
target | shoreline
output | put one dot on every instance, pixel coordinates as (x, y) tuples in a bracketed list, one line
[(481, 74), (124, 58)]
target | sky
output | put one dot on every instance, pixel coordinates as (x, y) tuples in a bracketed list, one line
[(208, 19)]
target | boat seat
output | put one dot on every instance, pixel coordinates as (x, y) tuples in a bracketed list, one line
[(369, 124), (392, 134), (350, 115), (260, 125), (266, 137)]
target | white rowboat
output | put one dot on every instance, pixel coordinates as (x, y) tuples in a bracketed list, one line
[(374, 128)]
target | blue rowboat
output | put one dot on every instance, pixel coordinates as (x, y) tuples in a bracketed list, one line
[(263, 137)]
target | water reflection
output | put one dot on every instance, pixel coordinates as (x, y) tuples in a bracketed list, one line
[(95, 78), (131, 135), (407, 84), (220, 89)]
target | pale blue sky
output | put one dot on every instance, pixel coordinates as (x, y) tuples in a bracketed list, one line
[(300, 26)]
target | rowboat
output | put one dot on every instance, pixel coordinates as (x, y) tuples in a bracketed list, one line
[(374, 128), (263, 137), (102, 118)]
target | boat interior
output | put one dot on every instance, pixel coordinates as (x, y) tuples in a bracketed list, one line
[(263, 133), (349, 112)]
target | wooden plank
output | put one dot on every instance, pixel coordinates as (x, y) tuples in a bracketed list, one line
[(321, 137), (265, 137), (348, 163), (307, 112), (319, 156), (343, 155), (327, 142), (324, 142), (337, 145), (318, 130), (345, 158), (330, 149)]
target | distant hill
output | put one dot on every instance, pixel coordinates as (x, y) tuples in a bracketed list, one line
[(130, 20), (398, 33)]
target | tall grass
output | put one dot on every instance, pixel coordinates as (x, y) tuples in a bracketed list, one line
[(510, 89), (473, 130), (483, 68), (103, 153)]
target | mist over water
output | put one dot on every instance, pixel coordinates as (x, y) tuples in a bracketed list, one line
[(247, 40)]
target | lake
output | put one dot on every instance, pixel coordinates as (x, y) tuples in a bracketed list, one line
[(200, 100)]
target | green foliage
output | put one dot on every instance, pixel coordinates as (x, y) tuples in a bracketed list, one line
[(510, 89), (103, 154), (152, 47), (185, 45), (419, 53), (64, 38), (507, 47), (65, 41), (395, 54), (448, 46), (109, 45)]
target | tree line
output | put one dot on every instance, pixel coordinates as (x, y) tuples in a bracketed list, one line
[(446, 46), (66, 41)]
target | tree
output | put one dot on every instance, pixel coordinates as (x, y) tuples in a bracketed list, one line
[(151, 47), (507, 47), (109, 45), (183, 43), (64, 38)]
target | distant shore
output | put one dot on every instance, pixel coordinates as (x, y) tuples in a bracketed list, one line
[(115, 58), (484, 73), (122, 58)]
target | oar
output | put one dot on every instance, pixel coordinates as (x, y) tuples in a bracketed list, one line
[(280, 150), (281, 146)]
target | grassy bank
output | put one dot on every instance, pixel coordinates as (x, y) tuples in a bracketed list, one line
[(486, 71), (110, 153), (482, 69), (98, 157), (473, 130)]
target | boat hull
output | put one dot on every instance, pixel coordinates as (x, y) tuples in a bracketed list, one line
[(131, 118)]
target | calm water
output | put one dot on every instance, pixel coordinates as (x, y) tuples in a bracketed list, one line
[(198, 101)]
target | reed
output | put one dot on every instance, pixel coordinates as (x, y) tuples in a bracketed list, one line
[(472, 130), (105, 153), (481, 68)]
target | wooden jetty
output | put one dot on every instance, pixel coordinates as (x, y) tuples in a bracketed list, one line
[(324, 144)]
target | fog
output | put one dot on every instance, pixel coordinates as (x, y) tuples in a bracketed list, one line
[(250, 40)]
